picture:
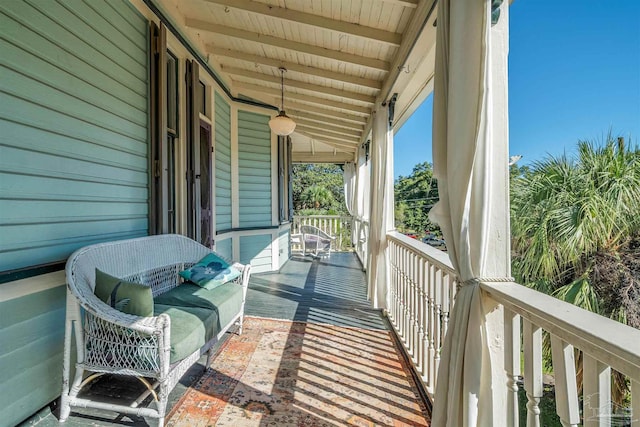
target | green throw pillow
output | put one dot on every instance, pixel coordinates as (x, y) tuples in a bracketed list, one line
[(210, 272), (127, 297)]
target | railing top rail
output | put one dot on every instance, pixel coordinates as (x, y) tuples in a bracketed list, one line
[(437, 257), (322, 216), (608, 341)]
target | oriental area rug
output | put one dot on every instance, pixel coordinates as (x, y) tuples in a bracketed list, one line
[(281, 373)]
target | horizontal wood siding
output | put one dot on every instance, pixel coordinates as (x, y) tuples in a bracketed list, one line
[(225, 248), (73, 114), (256, 250), (285, 247), (254, 162), (223, 163), (31, 337)]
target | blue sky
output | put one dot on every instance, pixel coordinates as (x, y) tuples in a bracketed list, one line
[(574, 74)]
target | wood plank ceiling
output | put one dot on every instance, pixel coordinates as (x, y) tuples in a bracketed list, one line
[(342, 57)]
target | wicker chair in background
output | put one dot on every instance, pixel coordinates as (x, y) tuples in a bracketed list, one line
[(316, 240)]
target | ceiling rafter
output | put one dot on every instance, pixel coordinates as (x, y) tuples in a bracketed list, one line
[(335, 121), (406, 3), (318, 21), (326, 126), (340, 145), (305, 157), (300, 85), (336, 55), (355, 109), (291, 66), (337, 117), (306, 108), (327, 134)]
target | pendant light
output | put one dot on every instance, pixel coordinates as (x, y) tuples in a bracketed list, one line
[(282, 124)]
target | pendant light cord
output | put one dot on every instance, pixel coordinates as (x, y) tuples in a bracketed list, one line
[(282, 88)]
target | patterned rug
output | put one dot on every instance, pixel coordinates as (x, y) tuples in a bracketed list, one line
[(280, 373)]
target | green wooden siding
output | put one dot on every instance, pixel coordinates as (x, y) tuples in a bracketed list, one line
[(254, 162), (256, 250), (73, 114), (223, 163), (225, 248), (31, 337), (284, 246)]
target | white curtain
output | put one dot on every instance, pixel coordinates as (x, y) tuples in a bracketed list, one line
[(381, 208), (470, 153), (363, 182), (349, 177)]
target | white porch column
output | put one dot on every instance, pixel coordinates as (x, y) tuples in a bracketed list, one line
[(381, 217), (470, 148)]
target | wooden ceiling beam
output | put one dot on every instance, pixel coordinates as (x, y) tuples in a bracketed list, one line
[(305, 157), (365, 111), (335, 55), (298, 68), (335, 121), (303, 110), (317, 21), (299, 85), (406, 3), (327, 125), (326, 133), (351, 146)]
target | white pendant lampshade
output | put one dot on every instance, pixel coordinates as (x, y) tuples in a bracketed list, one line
[(282, 124)]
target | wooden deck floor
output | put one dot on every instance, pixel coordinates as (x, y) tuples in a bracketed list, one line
[(330, 290), (318, 290)]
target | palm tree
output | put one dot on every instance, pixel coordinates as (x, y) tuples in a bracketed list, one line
[(576, 230), (318, 197)]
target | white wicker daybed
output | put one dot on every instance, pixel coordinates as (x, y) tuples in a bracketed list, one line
[(110, 341)]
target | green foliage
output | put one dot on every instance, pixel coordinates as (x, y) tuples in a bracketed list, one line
[(564, 211), (576, 232), (319, 187), (414, 196)]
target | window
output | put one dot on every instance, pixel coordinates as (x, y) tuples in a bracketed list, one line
[(172, 135), (285, 180)]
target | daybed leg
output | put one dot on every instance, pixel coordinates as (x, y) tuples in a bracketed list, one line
[(239, 331), (163, 397), (210, 353), (69, 390), (65, 408)]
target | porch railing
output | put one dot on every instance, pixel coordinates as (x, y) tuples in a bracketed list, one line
[(360, 237), (423, 286), (338, 226)]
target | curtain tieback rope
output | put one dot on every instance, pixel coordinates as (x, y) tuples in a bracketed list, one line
[(478, 280)]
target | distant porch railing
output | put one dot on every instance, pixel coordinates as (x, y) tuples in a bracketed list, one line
[(423, 287), (338, 226)]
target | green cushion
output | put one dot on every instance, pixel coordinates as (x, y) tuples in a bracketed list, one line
[(191, 328), (128, 297), (210, 272), (226, 300)]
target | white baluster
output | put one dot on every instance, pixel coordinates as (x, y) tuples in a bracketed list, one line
[(564, 369), (532, 337), (422, 317), (445, 304), (596, 391), (432, 327), (512, 364), (438, 318)]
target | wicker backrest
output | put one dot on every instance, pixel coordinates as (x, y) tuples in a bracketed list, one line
[(153, 261), (310, 229)]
